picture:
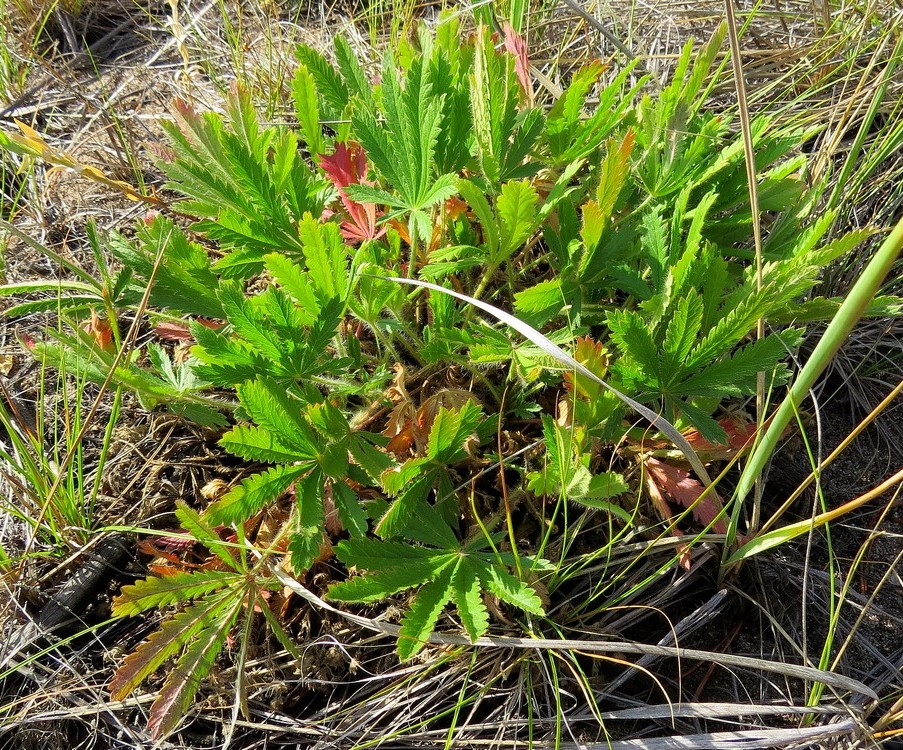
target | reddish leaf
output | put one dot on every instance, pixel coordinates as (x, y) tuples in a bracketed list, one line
[(687, 491), (100, 330), (347, 165), (180, 332), (173, 332), (738, 435), (516, 45)]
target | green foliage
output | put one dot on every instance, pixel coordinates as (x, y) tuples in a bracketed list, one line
[(455, 574), (616, 224)]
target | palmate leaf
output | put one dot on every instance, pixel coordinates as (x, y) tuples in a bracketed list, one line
[(268, 338), (168, 640), (223, 360), (571, 136), (446, 574), (403, 147), (246, 177)]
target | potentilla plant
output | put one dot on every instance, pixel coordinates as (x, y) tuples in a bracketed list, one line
[(409, 433)]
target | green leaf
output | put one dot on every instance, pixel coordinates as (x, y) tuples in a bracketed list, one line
[(375, 554), (243, 501), (348, 505), (307, 110), (370, 458), (403, 147), (184, 282), (421, 618), (164, 590), (494, 98), (196, 526), (736, 375), (307, 538), (544, 299), (684, 327), (326, 256), (632, 336), (249, 322), (516, 206), (488, 224), (507, 588), (468, 600), (613, 173), (297, 282), (352, 73), (256, 444), (405, 506), (451, 428), (330, 87), (279, 414)]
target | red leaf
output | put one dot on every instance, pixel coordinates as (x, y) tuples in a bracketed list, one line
[(173, 331), (687, 491), (100, 330), (347, 165), (516, 45), (180, 332), (738, 434)]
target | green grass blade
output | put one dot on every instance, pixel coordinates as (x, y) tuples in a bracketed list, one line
[(837, 332)]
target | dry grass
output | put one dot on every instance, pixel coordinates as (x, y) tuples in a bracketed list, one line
[(96, 79)]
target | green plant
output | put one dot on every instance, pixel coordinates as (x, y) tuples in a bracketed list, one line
[(619, 231)]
